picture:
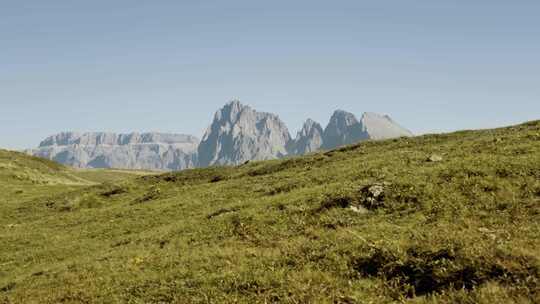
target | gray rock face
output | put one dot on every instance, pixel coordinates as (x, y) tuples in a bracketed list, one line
[(309, 139), (376, 126), (150, 151), (239, 133), (112, 139), (343, 129)]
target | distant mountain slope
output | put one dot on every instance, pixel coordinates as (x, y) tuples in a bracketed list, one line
[(344, 129), (113, 139), (376, 126), (237, 134), (150, 151)]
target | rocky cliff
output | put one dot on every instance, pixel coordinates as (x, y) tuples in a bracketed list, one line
[(309, 139), (343, 129), (376, 126), (151, 151), (238, 134)]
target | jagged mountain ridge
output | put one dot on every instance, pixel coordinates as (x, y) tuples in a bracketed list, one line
[(309, 139), (150, 151), (106, 138), (237, 134)]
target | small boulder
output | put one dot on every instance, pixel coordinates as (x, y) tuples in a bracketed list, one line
[(373, 195), (435, 158), (376, 190)]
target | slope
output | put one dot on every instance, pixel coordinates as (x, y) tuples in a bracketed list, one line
[(24, 177), (431, 219), (17, 167)]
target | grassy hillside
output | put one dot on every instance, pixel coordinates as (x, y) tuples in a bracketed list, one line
[(19, 168), (23, 176), (110, 175), (451, 218)]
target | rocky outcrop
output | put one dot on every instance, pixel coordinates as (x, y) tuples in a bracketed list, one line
[(238, 134), (150, 151), (309, 139)]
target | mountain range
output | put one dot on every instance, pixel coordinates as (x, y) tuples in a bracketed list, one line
[(237, 134)]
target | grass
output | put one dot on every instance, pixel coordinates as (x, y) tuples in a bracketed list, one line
[(19, 168), (110, 175), (465, 229)]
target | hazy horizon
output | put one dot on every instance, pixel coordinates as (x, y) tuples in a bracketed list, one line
[(140, 67)]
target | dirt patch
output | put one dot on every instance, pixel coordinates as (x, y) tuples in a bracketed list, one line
[(282, 188), (8, 287), (192, 176), (368, 197), (152, 194), (427, 272), (217, 178), (114, 191), (334, 202), (221, 212)]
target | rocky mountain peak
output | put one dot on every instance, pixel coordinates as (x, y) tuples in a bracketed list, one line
[(377, 126), (343, 118), (343, 129), (231, 111), (309, 125), (239, 133), (309, 139)]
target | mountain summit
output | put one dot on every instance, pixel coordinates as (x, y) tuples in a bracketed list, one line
[(309, 139), (376, 126), (237, 134), (343, 129)]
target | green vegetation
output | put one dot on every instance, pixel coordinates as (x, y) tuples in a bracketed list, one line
[(19, 168), (451, 218), (109, 175)]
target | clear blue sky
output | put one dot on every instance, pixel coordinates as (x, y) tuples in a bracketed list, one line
[(169, 65)]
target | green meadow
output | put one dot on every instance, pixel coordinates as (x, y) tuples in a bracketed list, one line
[(449, 218)]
